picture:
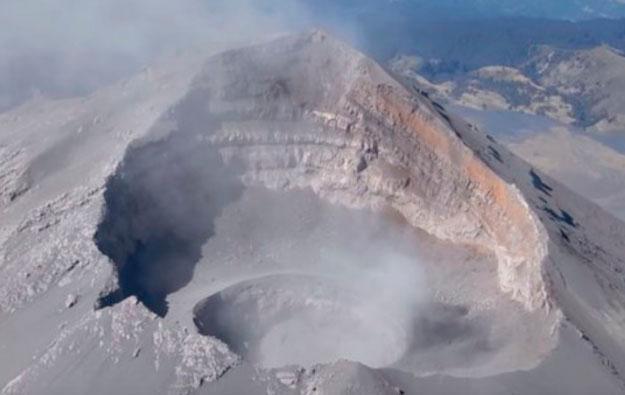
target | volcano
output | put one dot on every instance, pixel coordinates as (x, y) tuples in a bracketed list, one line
[(291, 218)]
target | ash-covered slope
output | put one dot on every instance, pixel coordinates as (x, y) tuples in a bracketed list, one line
[(293, 204)]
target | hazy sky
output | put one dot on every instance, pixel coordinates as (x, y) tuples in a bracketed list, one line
[(66, 47), (70, 46)]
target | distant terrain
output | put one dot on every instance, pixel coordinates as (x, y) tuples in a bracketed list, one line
[(582, 87)]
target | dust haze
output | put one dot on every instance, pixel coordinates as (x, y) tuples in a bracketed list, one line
[(68, 47)]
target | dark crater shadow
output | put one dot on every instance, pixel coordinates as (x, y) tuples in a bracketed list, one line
[(160, 208)]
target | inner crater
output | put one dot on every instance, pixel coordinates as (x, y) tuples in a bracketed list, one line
[(290, 319), (286, 277)]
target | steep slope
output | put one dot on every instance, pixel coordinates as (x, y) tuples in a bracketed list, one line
[(258, 207)]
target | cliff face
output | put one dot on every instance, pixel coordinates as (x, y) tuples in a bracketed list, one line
[(165, 192)]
